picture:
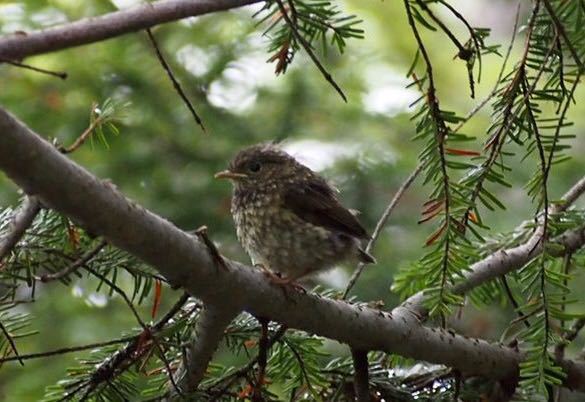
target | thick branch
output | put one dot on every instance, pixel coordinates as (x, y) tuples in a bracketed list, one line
[(90, 30), (205, 340), (21, 221), (38, 168)]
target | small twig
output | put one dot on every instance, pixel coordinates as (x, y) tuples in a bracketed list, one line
[(66, 350), (381, 223), (361, 384), (309, 51), (213, 251), (494, 90), (11, 342), (175, 82), (58, 74), (82, 261), (21, 221), (79, 141)]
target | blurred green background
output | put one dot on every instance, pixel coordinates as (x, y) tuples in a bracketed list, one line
[(165, 162)]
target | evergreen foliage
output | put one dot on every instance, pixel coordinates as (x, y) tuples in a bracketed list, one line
[(530, 107)]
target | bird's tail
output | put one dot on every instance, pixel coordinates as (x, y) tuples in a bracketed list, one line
[(365, 257)]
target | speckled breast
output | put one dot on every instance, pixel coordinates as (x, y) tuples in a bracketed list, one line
[(281, 241)]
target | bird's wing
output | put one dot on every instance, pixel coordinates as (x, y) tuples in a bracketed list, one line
[(315, 202)]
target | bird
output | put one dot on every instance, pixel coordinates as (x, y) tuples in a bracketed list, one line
[(288, 218)]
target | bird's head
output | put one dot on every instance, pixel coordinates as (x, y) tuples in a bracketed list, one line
[(260, 166)]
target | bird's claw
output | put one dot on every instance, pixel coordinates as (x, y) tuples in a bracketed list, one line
[(277, 279)]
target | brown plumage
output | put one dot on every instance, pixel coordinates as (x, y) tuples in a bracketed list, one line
[(287, 217)]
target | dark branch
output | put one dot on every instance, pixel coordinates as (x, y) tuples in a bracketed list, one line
[(175, 82), (380, 225), (361, 384)]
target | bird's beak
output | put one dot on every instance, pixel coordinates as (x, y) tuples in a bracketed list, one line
[(228, 174)]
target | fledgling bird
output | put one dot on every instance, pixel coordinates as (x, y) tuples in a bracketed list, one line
[(288, 218)]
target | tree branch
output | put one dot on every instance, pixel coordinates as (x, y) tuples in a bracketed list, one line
[(361, 384), (38, 168), (96, 29), (21, 221), (205, 340)]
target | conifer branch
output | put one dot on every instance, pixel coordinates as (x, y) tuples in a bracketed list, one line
[(508, 260), (187, 262), (307, 46)]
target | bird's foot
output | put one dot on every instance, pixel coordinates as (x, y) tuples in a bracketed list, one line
[(277, 279), (287, 282)]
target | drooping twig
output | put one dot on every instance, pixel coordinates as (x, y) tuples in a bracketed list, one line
[(58, 74), (173, 79), (21, 221), (380, 225), (361, 384), (82, 261), (309, 50), (441, 132), (494, 90)]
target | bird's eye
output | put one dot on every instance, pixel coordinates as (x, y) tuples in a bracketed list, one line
[(254, 167)]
